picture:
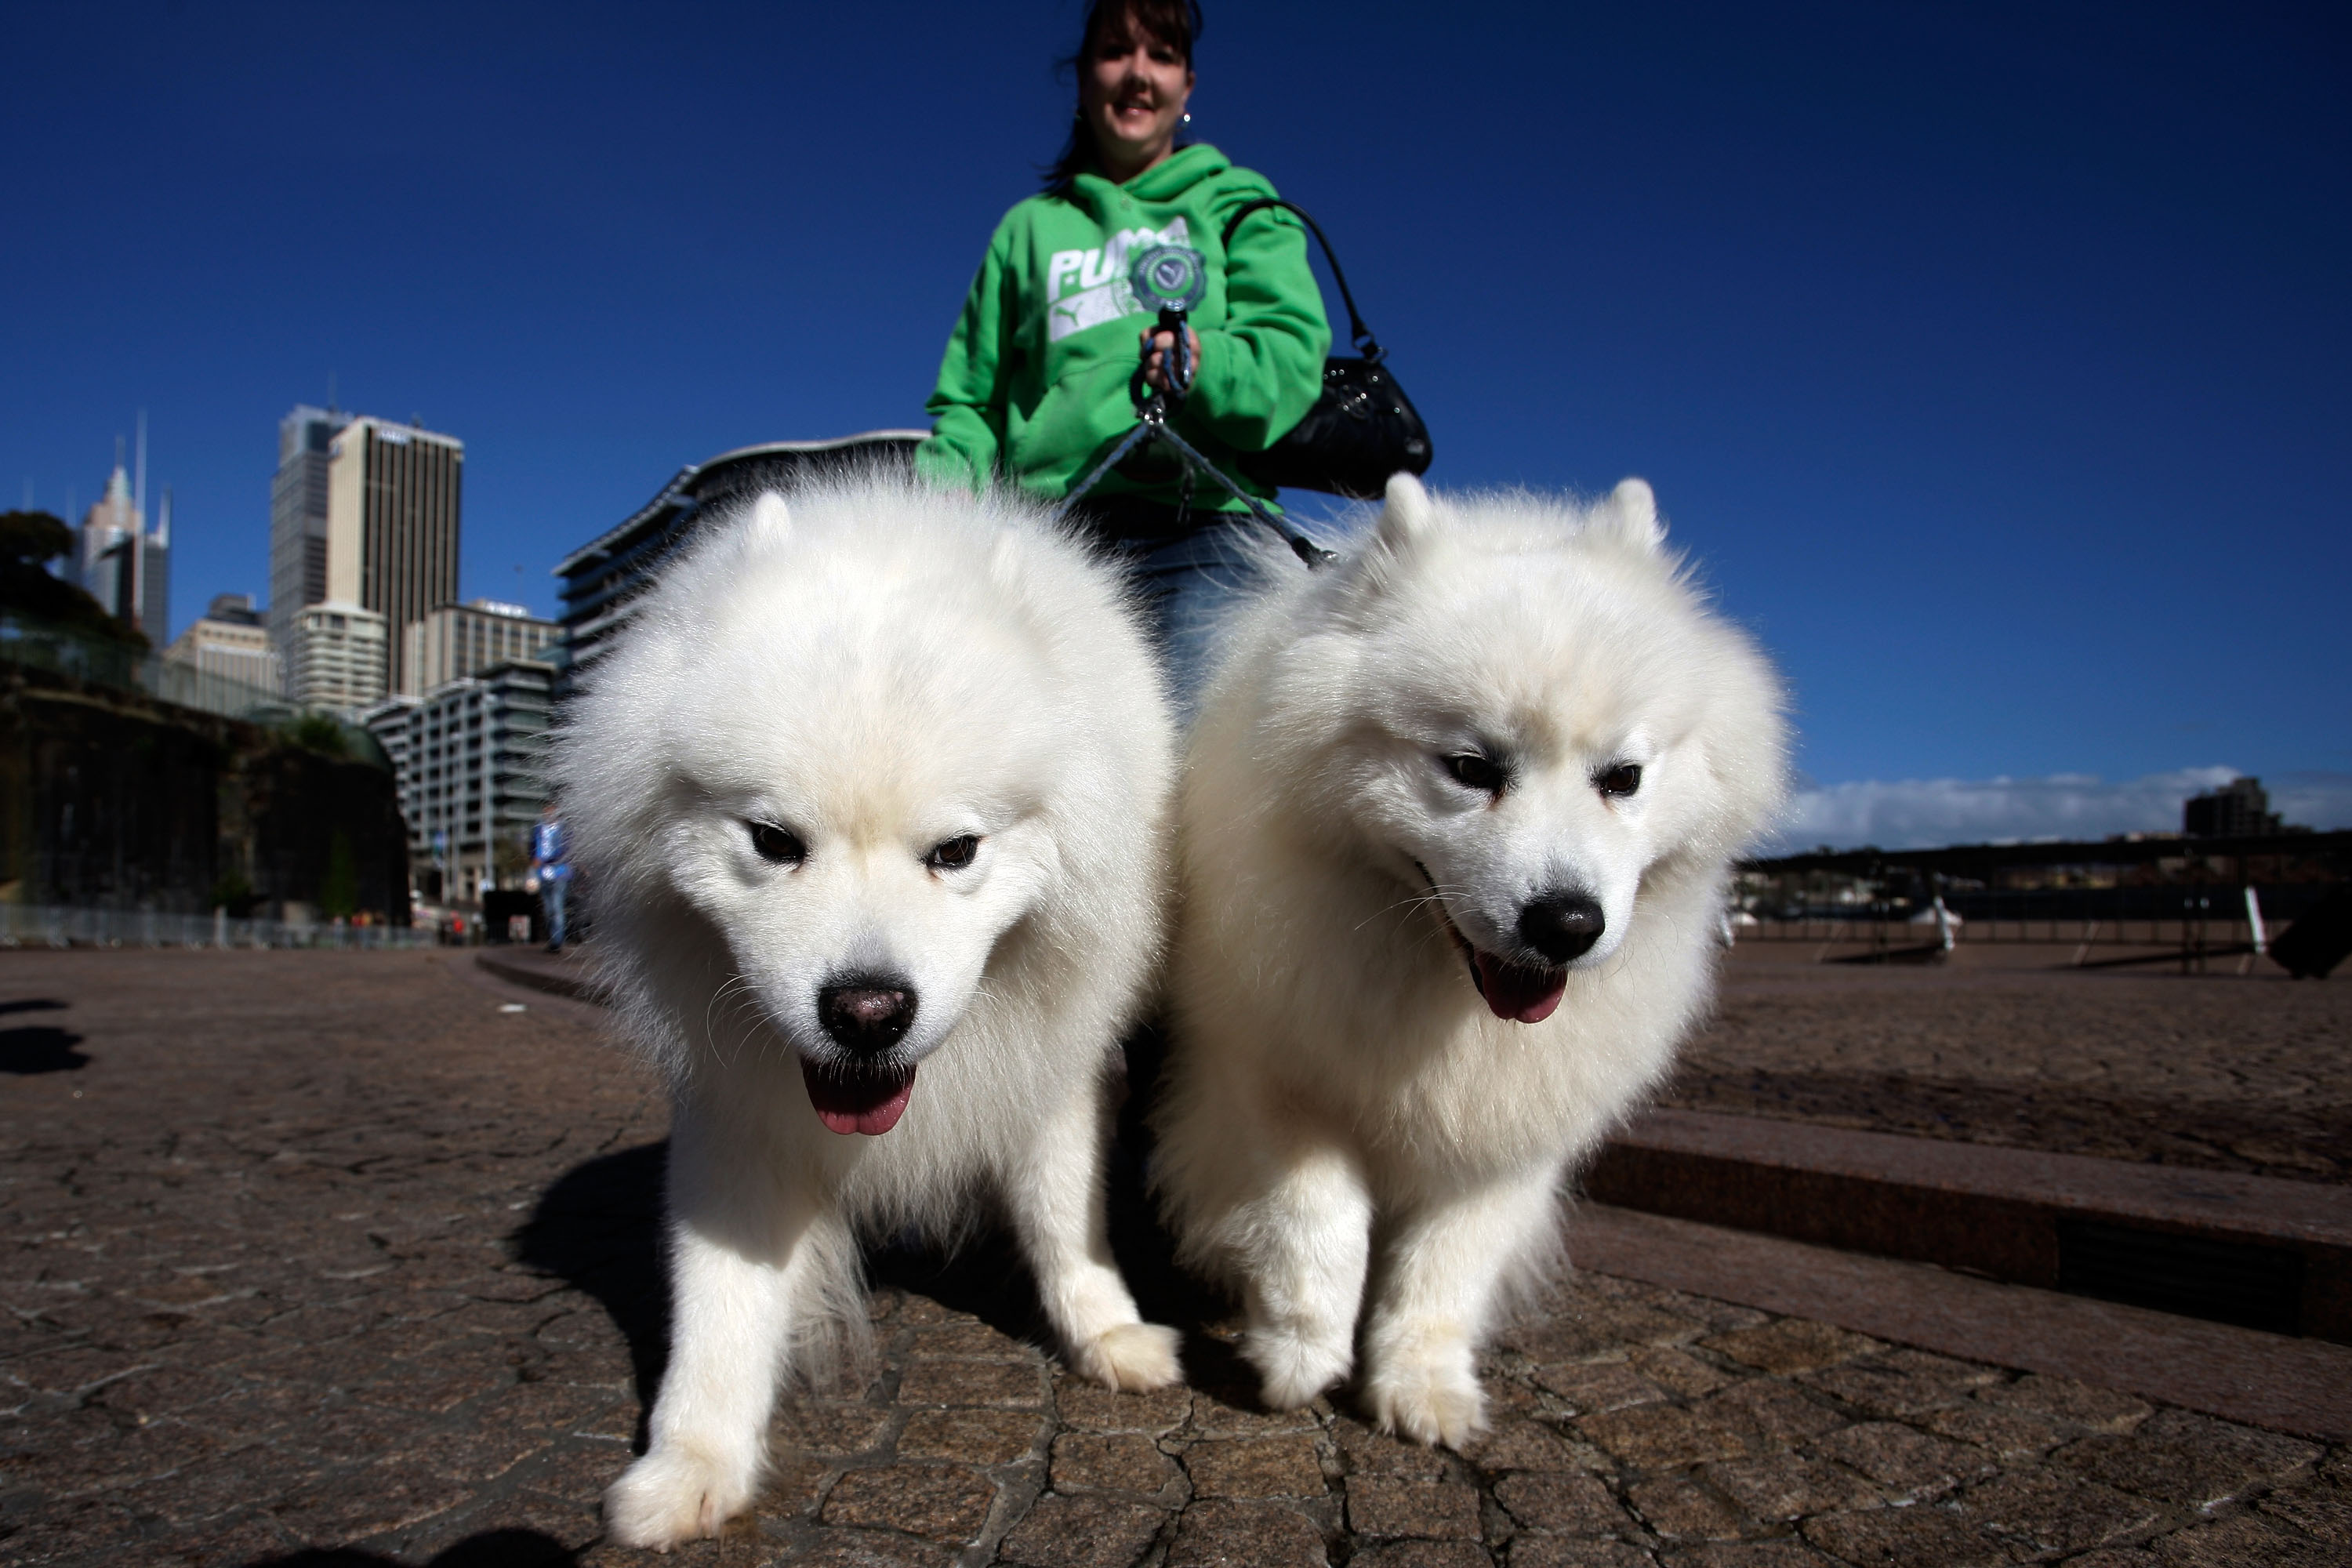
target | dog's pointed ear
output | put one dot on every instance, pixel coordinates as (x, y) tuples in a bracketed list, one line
[(771, 516), (1407, 519), (1632, 513), (1407, 516)]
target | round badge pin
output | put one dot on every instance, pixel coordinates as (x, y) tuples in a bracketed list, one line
[(1169, 278)]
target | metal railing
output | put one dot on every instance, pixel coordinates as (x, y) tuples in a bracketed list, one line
[(2195, 939), (58, 925)]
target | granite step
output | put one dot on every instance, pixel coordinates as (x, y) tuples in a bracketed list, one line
[(2256, 1251), (566, 973), (2302, 1385)]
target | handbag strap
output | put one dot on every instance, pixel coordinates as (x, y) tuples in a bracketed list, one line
[(1360, 334)]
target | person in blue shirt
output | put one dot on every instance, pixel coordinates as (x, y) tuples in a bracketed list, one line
[(553, 871)]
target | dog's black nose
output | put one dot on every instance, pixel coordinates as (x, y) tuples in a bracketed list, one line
[(866, 1014), (1562, 926)]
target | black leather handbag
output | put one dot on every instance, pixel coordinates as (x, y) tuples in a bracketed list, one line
[(1362, 429)]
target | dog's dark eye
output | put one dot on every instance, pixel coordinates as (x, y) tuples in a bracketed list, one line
[(1474, 772), (954, 854), (777, 845), (1624, 779)]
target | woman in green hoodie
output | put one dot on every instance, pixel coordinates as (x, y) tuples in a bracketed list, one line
[(1034, 390)]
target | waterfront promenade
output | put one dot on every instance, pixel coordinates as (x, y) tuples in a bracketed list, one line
[(350, 1258)]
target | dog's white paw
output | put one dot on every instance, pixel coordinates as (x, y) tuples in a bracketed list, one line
[(1432, 1398), (675, 1494), (1294, 1368), (1132, 1357)]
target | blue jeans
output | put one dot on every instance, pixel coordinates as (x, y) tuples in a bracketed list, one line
[(1187, 581), (551, 894)]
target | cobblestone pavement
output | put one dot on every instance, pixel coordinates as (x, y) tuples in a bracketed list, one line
[(2237, 1074), (318, 1251)]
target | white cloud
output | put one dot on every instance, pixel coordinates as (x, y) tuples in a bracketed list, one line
[(2312, 800), (1910, 814)]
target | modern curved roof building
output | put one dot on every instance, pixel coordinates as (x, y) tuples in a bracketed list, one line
[(602, 579)]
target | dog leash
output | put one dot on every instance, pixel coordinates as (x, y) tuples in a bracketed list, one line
[(1151, 424), (1169, 276)]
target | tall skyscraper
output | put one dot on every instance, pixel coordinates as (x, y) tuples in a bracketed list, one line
[(125, 568), (393, 494), (98, 562), (155, 575), (298, 517)]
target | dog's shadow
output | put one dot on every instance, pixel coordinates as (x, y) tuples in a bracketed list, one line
[(34, 1048), (599, 1228), (511, 1548), (987, 1278)]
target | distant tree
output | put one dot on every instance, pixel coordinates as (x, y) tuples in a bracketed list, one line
[(320, 732), (29, 541), (32, 537)]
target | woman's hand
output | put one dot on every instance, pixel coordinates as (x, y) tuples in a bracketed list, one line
[(1156, 345)]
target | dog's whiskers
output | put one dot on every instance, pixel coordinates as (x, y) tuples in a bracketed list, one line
[(734, 992), (1416, 901), (1434, 895)]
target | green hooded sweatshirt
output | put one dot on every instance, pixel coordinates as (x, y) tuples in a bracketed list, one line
[(1035, 384)]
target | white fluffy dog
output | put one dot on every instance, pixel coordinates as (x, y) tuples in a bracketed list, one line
[(1456, 839), (877, 781)]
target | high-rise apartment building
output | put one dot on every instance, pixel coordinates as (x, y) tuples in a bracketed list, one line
[(471, 760), (456, 640), (336, 657), (298, 517), (2239, 809), (392, 525)]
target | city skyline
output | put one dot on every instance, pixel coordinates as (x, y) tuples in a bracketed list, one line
[(364, 517), (1982, 361)]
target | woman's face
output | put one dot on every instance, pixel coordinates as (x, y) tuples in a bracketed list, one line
[(1131, 93)]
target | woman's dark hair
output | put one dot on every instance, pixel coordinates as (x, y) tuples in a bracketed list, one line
[(1175, 22)]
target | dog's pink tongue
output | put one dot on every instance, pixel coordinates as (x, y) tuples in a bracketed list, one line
[(870, 1104), (1527, 996)]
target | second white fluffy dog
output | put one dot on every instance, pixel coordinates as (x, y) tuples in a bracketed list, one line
[(872, 800), (1455, 835)]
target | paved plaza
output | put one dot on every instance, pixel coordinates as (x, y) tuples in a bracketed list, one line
[(2223, 1072), (351, 1258)]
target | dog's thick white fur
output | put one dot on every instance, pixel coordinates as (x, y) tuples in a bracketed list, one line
[(878, 777), (1457, 831)]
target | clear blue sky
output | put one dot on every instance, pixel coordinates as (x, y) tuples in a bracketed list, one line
[(1992, 358)]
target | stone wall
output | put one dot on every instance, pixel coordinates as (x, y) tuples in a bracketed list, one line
[(109, 798)]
